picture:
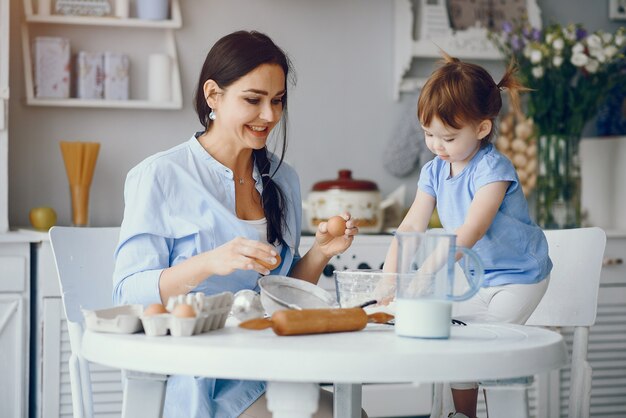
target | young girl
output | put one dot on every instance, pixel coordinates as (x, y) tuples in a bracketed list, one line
[(478, 197)]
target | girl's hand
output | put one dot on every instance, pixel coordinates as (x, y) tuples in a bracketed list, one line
[(240, 254), (330, 245)]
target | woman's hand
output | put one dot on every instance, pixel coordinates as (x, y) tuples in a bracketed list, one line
[(330, 245), (240, 254)]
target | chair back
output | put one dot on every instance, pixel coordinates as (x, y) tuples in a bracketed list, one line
[(84, 262), (571, 299)]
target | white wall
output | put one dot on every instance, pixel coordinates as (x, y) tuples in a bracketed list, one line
[(341, 111)]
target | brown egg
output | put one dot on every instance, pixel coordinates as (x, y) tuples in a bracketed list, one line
[(268, 265), (154, 309), (184, 311), (336, 226)]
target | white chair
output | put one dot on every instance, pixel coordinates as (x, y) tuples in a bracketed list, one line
[(571, 300), (84, 262)]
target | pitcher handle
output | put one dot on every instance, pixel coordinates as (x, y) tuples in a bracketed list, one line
[(475, 279)]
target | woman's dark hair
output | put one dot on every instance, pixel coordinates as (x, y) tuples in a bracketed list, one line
[(231, 58)]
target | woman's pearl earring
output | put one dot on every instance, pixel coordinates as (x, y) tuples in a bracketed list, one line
[(212, 115)]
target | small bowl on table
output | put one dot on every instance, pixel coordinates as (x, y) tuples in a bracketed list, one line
[(361, 287)]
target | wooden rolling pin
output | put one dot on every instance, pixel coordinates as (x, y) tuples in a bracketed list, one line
[(316, 321)]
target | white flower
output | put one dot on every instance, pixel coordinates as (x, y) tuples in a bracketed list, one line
[(549, 38), (597, 53), (610, 51), (557, 61), (537, 72), (579, 59), (594, 41), (578, 48), (607, 37), (535, 56), (558, 44), (570, 34), (527, 50), (592, 66), (619, 40)]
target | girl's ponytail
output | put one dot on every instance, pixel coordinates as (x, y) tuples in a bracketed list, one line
[(511, 83)]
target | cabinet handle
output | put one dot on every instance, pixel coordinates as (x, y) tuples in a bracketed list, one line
[(612, 261)]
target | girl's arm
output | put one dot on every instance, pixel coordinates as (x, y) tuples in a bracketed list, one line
[(416, 219), (481, 213)]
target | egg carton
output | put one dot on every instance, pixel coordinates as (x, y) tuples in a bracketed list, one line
[(122, 319), (211, 314)]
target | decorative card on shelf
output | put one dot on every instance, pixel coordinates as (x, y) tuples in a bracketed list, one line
[(116, 76), (52, 67), (83, 7), (89, 75)]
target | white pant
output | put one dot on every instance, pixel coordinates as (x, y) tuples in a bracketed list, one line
[(510, 303)]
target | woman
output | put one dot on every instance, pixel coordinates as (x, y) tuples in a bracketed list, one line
[(200, 215)]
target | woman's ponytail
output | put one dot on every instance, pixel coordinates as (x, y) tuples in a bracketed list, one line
[(272, 197)]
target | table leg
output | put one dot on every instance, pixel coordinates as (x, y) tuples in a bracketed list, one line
[(144, 394), (347, 400), (292, 400)]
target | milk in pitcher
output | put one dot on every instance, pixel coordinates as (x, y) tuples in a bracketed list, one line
[(423, 318)]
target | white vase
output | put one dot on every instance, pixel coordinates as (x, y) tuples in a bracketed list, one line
[(152, 9)]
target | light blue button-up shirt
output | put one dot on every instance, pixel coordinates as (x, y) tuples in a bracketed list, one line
[(514, 249), (180, 203)]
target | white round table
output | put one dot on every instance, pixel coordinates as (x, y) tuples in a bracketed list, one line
[(293, 365)]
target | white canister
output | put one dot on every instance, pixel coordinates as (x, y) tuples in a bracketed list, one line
[(122, 8), (153, 9), (159, 78), (44, 7), (359, 197)]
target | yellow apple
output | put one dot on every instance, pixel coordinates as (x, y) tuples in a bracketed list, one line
[(42, 218), (434, 220)]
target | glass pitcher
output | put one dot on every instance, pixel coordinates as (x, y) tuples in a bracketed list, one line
[(427, 272)]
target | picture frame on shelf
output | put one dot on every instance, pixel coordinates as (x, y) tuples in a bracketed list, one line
[(617, 9), (83, 7), (460, 28), (425, 27)]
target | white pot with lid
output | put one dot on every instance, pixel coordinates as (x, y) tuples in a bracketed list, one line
[(344, 194)]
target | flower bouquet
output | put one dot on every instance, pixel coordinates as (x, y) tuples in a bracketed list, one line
[(570, 73)]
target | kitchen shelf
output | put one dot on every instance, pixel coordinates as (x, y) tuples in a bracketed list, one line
[(167, 27), (433, 33), (174, 23)]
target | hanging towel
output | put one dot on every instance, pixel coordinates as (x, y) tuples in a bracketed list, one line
[(407, 150)]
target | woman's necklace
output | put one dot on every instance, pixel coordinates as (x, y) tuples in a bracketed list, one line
[(241, 179)]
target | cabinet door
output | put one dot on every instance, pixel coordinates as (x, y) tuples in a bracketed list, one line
[(13, 355), (4, 109), (56, 394)]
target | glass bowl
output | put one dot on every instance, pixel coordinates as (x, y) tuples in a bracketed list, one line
[(359, 287)]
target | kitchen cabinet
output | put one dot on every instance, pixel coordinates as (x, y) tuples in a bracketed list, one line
[(4, 115), (52, 397), (14, 323), (94, 33)]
